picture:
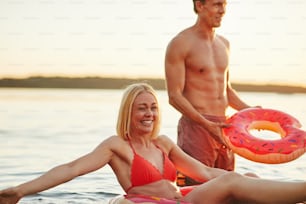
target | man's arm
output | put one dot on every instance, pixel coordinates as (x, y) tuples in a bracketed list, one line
[(234, 100), (175, 81)]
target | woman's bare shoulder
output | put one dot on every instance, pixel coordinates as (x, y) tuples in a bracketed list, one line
[(165, 142), (113, 142), (115, 145)]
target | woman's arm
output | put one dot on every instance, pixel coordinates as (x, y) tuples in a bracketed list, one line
[(188, 165), (60, 174), (194, 168)]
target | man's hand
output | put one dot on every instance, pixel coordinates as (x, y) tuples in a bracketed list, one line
[(215, 128)]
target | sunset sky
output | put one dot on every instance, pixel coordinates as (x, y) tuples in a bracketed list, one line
[(129, 38)]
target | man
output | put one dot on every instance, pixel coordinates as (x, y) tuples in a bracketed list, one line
[(197, 76)]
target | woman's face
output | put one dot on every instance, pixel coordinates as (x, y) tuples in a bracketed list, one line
[(144, 114)]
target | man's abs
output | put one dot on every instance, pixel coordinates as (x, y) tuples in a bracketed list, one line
[(206, 102)]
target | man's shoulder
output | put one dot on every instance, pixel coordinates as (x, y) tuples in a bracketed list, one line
[(223, 39), (183, 38), (183, 34), (179, 43)]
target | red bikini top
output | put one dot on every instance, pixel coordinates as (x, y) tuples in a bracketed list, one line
[(143, 172)]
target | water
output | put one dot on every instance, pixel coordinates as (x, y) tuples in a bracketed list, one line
[(41, 128)]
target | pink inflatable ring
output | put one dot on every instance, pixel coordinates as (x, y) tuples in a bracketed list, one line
[(290, 146), (151, 199)]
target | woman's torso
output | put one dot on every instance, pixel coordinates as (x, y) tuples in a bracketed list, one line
[(122, 164)]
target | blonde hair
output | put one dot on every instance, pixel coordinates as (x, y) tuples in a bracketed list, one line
[(125, 111)]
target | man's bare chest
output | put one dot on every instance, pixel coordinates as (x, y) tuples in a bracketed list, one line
[(205, 59)]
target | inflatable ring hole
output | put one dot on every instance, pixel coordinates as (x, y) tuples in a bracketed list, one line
[(266, 130)]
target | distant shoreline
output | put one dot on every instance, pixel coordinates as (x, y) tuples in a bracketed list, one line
[(119, 83)]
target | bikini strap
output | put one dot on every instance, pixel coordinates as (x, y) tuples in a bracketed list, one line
[(154, 144), (164, 153)]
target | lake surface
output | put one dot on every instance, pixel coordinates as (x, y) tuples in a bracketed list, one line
[(41, 128)]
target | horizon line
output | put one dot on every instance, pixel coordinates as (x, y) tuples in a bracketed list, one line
[(277, 83)]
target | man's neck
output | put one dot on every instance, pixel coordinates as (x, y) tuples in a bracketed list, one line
[(204, 30)]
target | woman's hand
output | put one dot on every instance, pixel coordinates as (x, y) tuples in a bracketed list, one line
[(9, 196)]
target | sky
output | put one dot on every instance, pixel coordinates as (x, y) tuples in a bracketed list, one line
[(129, 38)]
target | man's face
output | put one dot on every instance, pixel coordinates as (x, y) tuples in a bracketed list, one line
[(213, 11)]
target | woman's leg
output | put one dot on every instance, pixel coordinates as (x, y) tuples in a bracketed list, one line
[(269, 191), (233, 187)]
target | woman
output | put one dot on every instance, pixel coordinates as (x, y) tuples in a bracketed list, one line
[(145, 165)]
